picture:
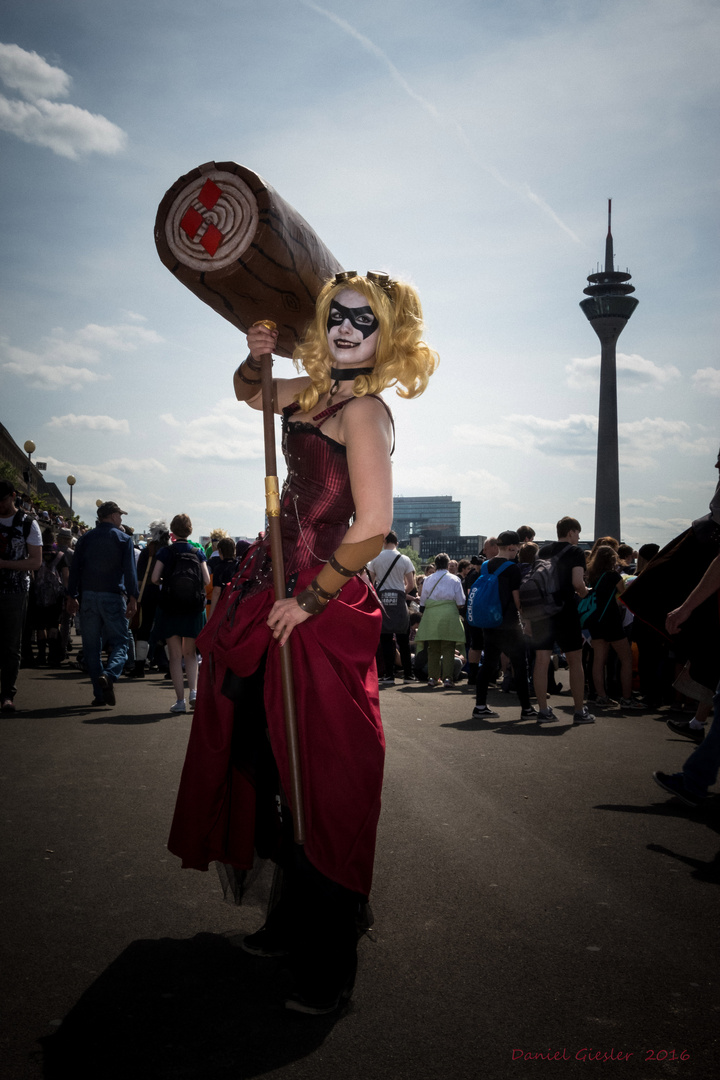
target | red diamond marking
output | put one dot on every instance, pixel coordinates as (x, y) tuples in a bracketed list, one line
[(191, 222), (209, 194), (212, 240)]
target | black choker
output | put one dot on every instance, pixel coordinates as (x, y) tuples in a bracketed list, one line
[(345, 374)]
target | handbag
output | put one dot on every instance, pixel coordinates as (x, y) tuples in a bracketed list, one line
[(587, 607), (396, 617)]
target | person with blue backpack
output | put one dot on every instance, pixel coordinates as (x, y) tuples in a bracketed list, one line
[(494, 605)]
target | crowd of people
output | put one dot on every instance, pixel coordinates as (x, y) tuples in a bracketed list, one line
[(614, 661), (124, 628)]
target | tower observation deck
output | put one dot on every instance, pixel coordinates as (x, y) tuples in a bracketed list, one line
[(608, 308)]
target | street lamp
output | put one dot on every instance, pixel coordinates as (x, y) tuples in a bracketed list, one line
[(71, 481), (29, 448)]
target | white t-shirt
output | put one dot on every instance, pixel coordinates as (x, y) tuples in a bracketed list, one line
[(17, 580), (448, 587), (34, 536), (396, 578)]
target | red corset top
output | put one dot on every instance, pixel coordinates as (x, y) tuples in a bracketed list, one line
[(316, 504)]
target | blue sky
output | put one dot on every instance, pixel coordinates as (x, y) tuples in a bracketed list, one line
[(470, 147)]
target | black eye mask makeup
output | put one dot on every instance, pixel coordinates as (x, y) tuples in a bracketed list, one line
[(362, 318)]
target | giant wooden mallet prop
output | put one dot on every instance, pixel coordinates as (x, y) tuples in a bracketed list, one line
[(225, 234)]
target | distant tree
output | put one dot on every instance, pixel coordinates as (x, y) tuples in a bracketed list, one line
[(8, 472), (412, 555)]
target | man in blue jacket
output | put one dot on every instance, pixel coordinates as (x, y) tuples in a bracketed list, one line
[(103, 575)]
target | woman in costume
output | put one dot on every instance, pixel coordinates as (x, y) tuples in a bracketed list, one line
[(337, 441)]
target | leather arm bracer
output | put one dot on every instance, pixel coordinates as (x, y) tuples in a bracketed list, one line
[(342, 565)]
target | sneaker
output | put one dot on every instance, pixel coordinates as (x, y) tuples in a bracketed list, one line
[(605, 703), (431, 683), (529, 714), (409, 678), (448, 683), (675, 785), (631, 704), (107, 689), (583, 717), (8, 705), (178, 707), (98, 703), (262, 943), (193, 698), (481, 712), (682, 727), (545, 716), (387, 680)]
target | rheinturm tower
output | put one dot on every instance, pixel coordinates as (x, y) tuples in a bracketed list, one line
[(608, 308)]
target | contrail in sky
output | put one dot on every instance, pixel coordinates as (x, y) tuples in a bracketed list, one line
[(522, 190)]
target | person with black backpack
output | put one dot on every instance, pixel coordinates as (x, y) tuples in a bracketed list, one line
[(182, 569), (549, 595), (20, 552)]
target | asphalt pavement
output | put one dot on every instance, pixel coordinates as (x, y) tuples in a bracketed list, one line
[(541, 906)]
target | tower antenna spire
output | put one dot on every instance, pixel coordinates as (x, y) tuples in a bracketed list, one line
[(609, 255)]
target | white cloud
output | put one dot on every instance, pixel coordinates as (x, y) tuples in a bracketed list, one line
[(67, 130), (43, 376), (121, 338), (574, 435), (573, 439), (461, 484), (31, 75), (650, 503), (89, 423), (141, 465), (634, 373), (96, 476), (226, 434), (707, 381), (470, 435), (60, 361), (642, 441), (634, 524)]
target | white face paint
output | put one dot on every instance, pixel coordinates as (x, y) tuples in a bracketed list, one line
[(352, 330)]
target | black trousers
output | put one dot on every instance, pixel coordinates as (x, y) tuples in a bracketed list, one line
[(317, 921), (508, 640), (387, 644)]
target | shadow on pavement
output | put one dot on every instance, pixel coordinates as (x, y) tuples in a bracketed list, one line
[(109, 716), (708, 815), (509, 727), (182, 1009)]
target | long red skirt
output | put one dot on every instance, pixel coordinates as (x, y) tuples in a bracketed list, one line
[(340, 735)]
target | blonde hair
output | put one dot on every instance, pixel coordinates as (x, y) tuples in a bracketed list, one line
[(402, 358)]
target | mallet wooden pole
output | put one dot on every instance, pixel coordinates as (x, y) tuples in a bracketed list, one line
[(272, 503)]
